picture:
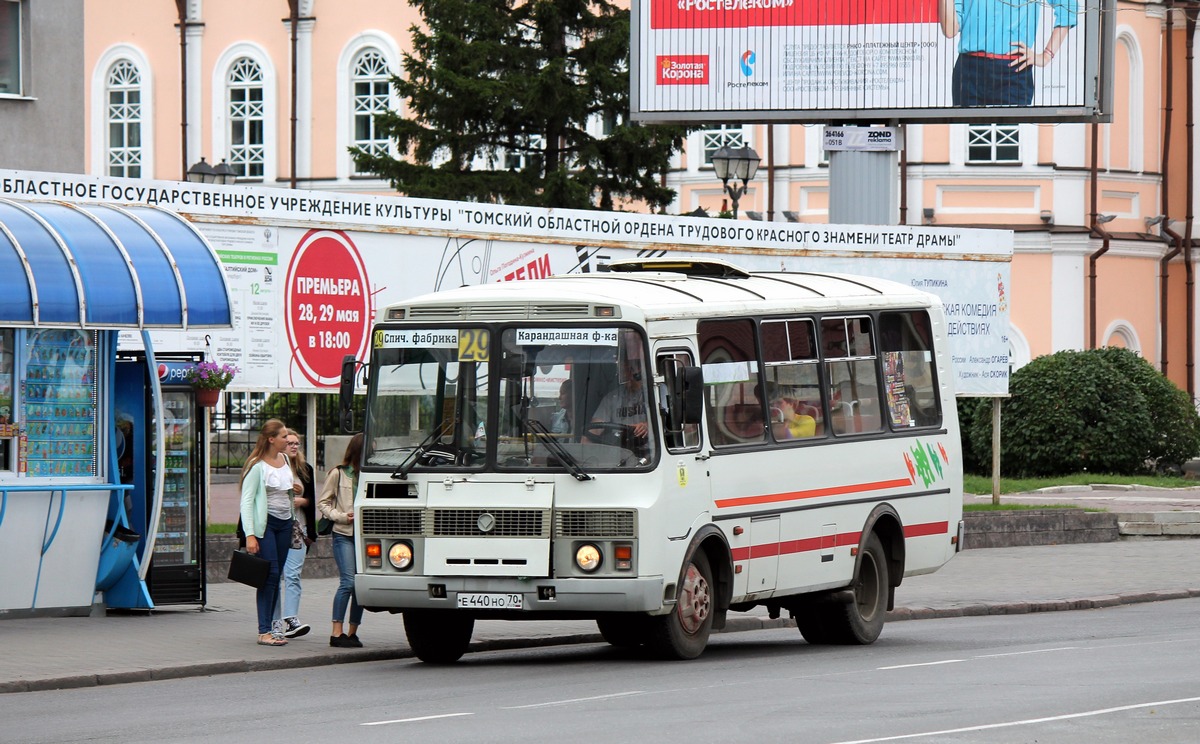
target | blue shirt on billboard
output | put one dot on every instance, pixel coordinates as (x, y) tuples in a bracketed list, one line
[(992, 26)]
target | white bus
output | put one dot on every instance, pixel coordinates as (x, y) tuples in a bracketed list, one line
[(654, 447)]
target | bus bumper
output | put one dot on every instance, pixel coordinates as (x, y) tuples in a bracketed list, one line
[(584, 596)]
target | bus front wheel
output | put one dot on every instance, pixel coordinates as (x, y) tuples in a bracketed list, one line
[(438, 637), (860, 620), (683, 632)]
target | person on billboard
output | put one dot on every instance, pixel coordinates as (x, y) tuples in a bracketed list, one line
[(997, 47), (304, 534), (266, 512), (337, 505)]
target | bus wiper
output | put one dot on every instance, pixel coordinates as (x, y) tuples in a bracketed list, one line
[(552, 444), (401, 471)]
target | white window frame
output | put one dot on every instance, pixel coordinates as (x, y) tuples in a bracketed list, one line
[(370, 105), (221, 145), (98, 162), (385, 45), (998, 135), (125, 114)]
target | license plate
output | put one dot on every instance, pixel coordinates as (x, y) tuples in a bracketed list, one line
[(490, 601)]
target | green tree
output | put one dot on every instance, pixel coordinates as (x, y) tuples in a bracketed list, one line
[(513, 86)]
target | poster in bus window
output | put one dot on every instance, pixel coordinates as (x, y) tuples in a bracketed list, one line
[(897, 396)]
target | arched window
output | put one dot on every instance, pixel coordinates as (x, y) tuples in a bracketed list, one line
[(123, 94), (247, 152), (370, 84)]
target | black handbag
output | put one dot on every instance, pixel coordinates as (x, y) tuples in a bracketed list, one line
[(249, 569)]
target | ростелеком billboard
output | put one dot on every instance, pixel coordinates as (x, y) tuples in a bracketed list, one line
[(822, 60)]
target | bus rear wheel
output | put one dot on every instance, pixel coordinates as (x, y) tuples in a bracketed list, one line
[(437, 637), (859, 621), (683, 632)]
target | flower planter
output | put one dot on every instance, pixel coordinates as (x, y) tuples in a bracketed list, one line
[(207, 397)]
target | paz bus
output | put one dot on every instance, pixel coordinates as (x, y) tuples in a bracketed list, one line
[(654, 447)]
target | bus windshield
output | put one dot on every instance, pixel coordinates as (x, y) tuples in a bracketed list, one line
[(510, 398)]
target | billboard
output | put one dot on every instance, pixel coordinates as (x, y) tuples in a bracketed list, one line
[(307, 271), (873, 60)]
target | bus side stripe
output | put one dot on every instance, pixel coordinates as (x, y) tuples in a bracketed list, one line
[(843, 540), (774, 498)]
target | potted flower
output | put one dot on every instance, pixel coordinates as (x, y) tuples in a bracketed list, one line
[(208, 379)]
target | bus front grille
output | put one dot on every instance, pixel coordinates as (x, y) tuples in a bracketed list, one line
[(595, 523), (392, 521), (490, 523)]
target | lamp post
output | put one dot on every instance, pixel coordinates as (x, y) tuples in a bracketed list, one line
[(225, 173), (735, 163)]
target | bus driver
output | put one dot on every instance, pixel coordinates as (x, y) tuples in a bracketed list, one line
[(624, 409)]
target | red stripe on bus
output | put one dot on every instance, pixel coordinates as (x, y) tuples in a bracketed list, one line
[(931, 528), (843, 540), (774, 498)]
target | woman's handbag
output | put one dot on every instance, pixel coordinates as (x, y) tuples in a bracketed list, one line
[(325, 524), (299, 539), (249, 569)]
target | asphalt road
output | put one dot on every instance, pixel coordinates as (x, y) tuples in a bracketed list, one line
[(1112, 675)]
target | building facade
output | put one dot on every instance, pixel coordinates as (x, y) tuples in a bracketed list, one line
[(41, 85), (281, 90)]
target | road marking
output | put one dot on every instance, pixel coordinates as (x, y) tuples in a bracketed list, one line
[(575, 700), (1026, 722), (922, 664), (413, 720), (1022, 653)]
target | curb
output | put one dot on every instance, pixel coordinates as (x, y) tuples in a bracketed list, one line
[(733, 625)]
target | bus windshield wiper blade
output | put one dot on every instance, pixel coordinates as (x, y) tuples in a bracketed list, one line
[(552, 444), (401, 471)]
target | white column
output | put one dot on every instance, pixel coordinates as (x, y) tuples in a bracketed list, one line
[(304, 33)]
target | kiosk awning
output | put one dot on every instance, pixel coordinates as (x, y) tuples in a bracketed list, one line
[(97, 266)]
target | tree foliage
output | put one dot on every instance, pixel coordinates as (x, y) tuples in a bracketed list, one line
[(514, 85)]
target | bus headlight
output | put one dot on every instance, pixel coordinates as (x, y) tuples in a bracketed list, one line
[(400, 555), (587, 557)]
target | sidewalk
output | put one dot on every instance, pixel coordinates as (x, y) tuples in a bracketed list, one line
[(51, 653)]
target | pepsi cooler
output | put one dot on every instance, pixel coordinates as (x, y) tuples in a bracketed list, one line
[(172, 521)]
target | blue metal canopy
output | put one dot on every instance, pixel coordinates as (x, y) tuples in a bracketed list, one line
[(96, 266)]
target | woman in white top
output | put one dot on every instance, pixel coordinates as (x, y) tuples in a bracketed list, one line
[(267, 489)]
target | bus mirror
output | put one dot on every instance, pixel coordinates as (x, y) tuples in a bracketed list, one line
[(692, 394), (346, 393)]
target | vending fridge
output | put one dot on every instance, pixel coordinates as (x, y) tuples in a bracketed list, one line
[(172, 521)]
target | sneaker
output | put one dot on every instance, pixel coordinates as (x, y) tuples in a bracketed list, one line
[(277, 628), (293, 628), (342, 641), (354, 642)]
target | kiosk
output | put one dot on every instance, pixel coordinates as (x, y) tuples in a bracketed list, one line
[(72, 276)]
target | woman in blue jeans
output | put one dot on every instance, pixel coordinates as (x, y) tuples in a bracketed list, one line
[(267, 490), (337, 505)]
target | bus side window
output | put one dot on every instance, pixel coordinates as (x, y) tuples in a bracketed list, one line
[(736, 414), (789, 350), (848, 346), (906, 346)]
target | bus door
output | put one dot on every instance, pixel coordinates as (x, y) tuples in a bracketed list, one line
[(686, 492)]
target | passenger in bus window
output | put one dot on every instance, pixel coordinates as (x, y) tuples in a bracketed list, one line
[(787, 421)]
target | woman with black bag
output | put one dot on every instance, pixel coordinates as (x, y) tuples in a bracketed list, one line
[(337, 505), (267, 517)]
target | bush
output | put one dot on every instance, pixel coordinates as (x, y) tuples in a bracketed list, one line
[(1174, 434), (1071, 411), (968, 410)]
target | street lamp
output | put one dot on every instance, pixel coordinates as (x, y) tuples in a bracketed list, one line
[(735, 163), (222, 174), (202, 172), (225, 173)]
